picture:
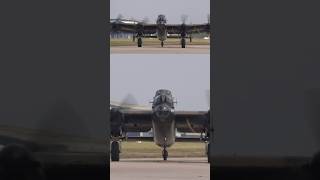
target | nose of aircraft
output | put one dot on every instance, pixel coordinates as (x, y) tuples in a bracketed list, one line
[(163, 98), (162, 111)]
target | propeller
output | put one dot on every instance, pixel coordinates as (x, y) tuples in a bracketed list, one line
[(145, 20), (129, 100), (184, 18), (117, 117), (119, 17)]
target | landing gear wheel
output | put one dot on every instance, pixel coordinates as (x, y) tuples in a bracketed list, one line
[(115, 150), (183, 43), (165, 154), (139, 42), (161, 43), (208, 152)]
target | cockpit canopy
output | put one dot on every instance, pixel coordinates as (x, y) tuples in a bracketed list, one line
[(163, 91), (163, 96), (161, 19)]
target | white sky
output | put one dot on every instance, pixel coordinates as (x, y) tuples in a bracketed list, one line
[(197, 10), (186, 75)]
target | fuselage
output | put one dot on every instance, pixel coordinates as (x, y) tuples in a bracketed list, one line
[(161, 28), (163, 121)]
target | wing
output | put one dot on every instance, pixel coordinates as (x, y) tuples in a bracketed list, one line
[(137, 121), (122, 27), (149, 28), (192, 121), (189, 29), (131, 120), (198, 28), (133, 28), (114, 104)]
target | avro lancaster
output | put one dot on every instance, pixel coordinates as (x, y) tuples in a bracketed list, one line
[(162, 119), (160, 30)]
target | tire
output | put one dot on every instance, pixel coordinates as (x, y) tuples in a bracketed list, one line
[(161, 43), (139, 42), (183, 43), (165, 154), (115, 151)]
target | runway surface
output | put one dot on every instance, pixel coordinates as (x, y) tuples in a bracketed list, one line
[(157, 169), (169, 49)]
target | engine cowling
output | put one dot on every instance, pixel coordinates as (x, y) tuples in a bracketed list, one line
[(183, 31), (116, 122), (140, 30)]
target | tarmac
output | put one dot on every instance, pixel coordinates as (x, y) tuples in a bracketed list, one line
[(156, 49), (157, 169)]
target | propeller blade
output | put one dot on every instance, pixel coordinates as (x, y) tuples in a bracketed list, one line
[(129, 100), (184, 18)]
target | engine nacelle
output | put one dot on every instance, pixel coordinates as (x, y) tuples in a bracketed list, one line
[(140, 30), (116, 122), (183, 31)]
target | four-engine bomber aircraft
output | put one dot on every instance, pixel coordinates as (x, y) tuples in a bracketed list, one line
[(162, 119), (160, 30)]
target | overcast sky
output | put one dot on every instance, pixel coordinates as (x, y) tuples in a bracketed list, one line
[(197, 10), (186, 75)]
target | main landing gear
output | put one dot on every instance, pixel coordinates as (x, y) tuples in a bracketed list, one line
[(162, 43), (165, 154), (205, 139), (183, 43), (115, 151), (139, 42)]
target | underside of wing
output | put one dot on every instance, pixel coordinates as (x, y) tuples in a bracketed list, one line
[(122, 27), (198, 28), (149, 28), (174, 28), (189, 29), (134, 28), (192, 121), (138, 121), (129, 120)]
